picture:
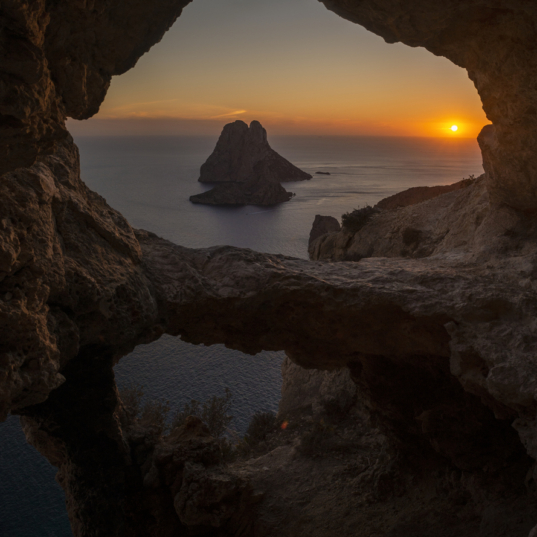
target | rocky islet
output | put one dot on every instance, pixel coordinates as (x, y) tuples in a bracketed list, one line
[(242, 148), (246, 169)]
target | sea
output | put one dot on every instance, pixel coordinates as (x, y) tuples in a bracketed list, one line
[(149, 180)]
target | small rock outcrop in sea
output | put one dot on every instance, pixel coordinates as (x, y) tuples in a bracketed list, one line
[(247, 169), (322, 173), (255, 191), (241, 149)]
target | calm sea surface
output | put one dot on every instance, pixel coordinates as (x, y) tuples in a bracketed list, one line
[(149, 180)]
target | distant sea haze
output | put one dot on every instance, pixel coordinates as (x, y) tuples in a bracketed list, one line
[(149, 179)]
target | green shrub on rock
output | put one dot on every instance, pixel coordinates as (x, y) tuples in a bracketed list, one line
[(357, 219), (214, 413), (260, 426)]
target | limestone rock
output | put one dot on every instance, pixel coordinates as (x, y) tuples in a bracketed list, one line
[(65, 255), (458, 221), (239, 150)]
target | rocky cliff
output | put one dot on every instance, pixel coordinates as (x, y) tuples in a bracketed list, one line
[(435, 325), (58, 59), (419, 222), (240, 150)]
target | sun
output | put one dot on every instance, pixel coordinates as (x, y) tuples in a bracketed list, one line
[(454, 128)]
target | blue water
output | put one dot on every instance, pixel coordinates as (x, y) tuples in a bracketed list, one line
[(149, 180)]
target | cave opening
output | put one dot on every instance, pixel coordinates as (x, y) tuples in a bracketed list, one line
[(428, 417)]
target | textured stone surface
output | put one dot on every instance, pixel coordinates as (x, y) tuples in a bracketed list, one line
[(242, 153), (58, 59), (70, 276), (494, 41), (325, 315), (459, 222)]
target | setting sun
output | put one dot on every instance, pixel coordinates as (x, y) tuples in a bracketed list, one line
[(454, 128)]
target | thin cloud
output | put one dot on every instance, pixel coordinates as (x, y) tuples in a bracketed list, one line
[(230, 114)]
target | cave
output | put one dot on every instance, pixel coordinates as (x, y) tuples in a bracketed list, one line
[(415, 375)]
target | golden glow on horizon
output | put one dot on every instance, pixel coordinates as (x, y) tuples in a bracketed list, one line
[(212, 118), (276, 124), (221, 63)]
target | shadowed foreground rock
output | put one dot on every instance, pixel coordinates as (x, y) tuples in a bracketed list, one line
[(435, 325)]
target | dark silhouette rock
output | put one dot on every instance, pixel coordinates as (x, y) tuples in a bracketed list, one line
[(322, 173), (256, 191), (239, 150), (248, 169)]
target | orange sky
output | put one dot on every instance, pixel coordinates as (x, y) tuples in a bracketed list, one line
[(295, 67)]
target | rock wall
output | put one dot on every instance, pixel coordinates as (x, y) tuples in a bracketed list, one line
[(58, 60), (64, 254), (71, 277)]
